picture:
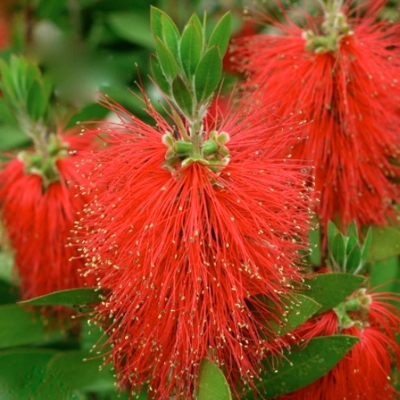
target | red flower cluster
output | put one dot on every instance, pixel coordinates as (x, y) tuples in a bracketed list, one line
[(185, 253), (340, 76), (364, 373), (40, 201)]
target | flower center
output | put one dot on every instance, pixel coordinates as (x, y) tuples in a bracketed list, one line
[(44, 164), (211, 152), (334, 28), (354, 311)]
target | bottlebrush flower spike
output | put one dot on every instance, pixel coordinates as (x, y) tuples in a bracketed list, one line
[(365, 372), (39, 203), (340, 76), (185, 247)]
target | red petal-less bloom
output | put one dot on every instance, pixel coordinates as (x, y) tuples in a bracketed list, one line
[(347, 93), (364, 373), (39, 216), (184, 253)]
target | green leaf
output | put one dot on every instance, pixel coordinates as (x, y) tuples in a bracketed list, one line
[(385, 243), (182, 96), (190, 49), (212, 383), (385, 275), (221, 34), (167, 61), (22, 373), (301, 308), (20, 327), (132, 27), (36, 101), (354, 259), (332, 232), (170, 35), (7, 85), (338, 250), (302, 366), (331, 289), (79, 369), (12, 137), (158, 75), (69, 298), (352, 230), (366, 247), (195, 20), (156, 21), (208, 74), (352, 241)]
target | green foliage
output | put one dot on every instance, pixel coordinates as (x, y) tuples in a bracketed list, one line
[(331, 289), (219, 36), (20, 327), (190, 48), (70, 298), (22, 372), (182, 95), (346, 252), (208, 74), (300, 309), (26, 91), (303, 365), (212, 383), (190, 68), (385, 242)]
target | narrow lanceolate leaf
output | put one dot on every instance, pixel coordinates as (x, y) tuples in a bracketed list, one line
[(212, 383), (159, 76), (338, 250), (352, 230), (366, 247), (208, 74), (332, 232), (331, 289), (36, 101), (19, 327), (182, 96), (171, 35), (301, 309), (354, 259), (156, 21), (195, 20), (304, 365), (168, 63), (221, 34), (69, 298), (190, 48)]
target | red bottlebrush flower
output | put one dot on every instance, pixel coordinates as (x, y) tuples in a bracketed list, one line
[(340, 76), (364, 373), (185, 248), (39, 204)]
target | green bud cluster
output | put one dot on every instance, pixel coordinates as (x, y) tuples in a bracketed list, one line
[(353, 311), (346, 253), (334, 28), (45, 165), (212, 152)]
